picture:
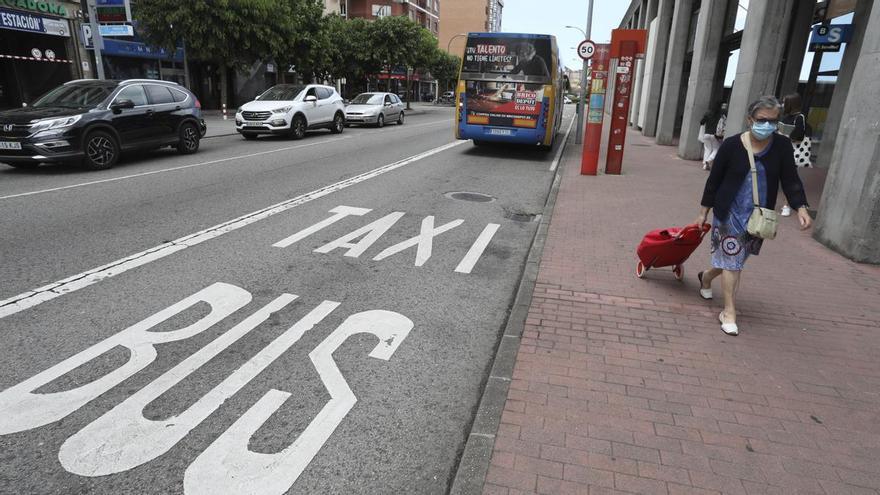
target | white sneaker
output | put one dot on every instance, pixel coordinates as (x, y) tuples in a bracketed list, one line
[(786, 211)]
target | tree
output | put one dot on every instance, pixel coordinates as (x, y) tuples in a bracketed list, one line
[(445, 68), (398, 41), (228, 33)]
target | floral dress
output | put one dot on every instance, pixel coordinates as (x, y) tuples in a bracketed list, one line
[(731, 244)]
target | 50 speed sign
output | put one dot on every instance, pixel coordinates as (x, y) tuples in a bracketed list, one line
[(586, 49)]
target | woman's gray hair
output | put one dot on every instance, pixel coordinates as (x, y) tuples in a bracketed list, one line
[(764, 102)]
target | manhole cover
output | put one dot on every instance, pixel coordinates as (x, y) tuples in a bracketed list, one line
[(470, 196), (521, 217)]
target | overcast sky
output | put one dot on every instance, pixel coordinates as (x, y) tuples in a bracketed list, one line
[(551, 17)]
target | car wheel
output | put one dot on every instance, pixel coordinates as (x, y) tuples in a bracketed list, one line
[(338, 124), (400, 118), (380, 121), (101, 151), (298, 127), (249, 136), (189, 139)]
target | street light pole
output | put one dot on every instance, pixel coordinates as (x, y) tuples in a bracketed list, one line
[(579, 135), (449, 45)]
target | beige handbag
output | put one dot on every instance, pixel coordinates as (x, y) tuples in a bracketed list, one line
[(763, 222)]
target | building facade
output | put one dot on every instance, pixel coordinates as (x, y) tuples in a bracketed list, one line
[(424, 12), (701, 53), (40, 48), (468, 16)]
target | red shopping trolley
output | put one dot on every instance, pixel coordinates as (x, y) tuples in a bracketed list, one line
[(669, 247)]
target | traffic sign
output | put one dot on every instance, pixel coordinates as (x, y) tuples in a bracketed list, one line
[(586, 49)]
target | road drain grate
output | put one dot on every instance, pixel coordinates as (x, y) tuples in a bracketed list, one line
[(470, 196), (521, 217)]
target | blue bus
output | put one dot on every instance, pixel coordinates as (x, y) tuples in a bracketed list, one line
[(510, 89)]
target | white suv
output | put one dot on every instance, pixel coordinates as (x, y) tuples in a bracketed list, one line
[(291, 109)]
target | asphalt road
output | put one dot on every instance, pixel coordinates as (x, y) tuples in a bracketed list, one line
[(277, 316)]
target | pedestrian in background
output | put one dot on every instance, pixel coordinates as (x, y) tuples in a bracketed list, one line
[(729, 194), (711, 131), (794, 125)]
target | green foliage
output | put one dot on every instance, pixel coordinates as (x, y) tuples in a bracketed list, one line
[(237, 33)]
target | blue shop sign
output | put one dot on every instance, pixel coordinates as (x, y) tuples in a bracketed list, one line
[(19, 21), (829, 37), (141, 50)]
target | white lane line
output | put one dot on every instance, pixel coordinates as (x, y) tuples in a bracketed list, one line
[(212, 162), (182, 167), (73, 283), (561, 147), (473, 255)]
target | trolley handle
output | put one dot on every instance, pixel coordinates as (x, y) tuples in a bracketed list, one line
[(703, 230)]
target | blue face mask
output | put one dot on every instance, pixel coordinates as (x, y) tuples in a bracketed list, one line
[(762, 131)]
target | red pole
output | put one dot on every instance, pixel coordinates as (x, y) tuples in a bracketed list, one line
[(593, 134), (620, 107)]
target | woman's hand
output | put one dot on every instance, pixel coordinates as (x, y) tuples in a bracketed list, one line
[(804, 218), (701, 218)]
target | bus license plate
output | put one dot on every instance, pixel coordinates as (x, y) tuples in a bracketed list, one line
[(7, 145), (500, 132)]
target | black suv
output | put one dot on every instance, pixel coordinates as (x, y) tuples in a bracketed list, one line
[(93, 121)]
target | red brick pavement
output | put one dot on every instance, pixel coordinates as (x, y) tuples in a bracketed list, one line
[(628, 386)]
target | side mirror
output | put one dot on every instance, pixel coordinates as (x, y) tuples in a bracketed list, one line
[(310, 98), (121, 104)]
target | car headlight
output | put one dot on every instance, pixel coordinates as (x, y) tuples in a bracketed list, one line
[(282, 110), (51, 124)]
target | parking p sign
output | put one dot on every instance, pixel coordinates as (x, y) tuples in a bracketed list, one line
[(586, 49)]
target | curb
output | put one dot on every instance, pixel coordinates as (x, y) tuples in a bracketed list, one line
[(470, 474)]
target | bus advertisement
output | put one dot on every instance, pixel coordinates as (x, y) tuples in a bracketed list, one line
[(510, 89)]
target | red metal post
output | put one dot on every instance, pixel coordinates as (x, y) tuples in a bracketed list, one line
[(623, 79), (593, 134)]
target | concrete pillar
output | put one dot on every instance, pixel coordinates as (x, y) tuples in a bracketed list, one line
[(844, 80), (764, 41), (655, 62), (673, 73), (704, 74), (797, 46), (849, 218), (652, 10)]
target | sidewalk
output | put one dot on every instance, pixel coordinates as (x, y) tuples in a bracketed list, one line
[(624, 385)]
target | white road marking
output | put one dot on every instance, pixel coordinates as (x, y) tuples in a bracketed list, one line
[(371, 233), (340, 212), (23, 409), (228, 466), (73, 283), (123, 438), (562, 146), (172, 169), (193, 165), (473, 255), (424, 241)]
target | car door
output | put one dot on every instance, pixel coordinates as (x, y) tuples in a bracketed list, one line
[(135, 126), (311, 108), (164, 112), (388, 109), (325, 104), (398, 105)]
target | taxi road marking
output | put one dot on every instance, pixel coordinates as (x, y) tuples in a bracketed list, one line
[(73, 283)]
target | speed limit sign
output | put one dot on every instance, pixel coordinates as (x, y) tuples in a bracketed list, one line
[(586, 49)]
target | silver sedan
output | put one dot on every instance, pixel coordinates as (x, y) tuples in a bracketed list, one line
[(374, 109)]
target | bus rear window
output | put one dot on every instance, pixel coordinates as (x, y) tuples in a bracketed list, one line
[(529, 57)]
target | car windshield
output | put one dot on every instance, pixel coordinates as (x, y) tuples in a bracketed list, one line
[(282, 92), (74, 96), (367, 99)]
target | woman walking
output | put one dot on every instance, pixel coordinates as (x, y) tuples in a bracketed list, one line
[(729, 194), (794, 125)]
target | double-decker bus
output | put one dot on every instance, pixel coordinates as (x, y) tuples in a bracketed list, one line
[(510, 89)]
